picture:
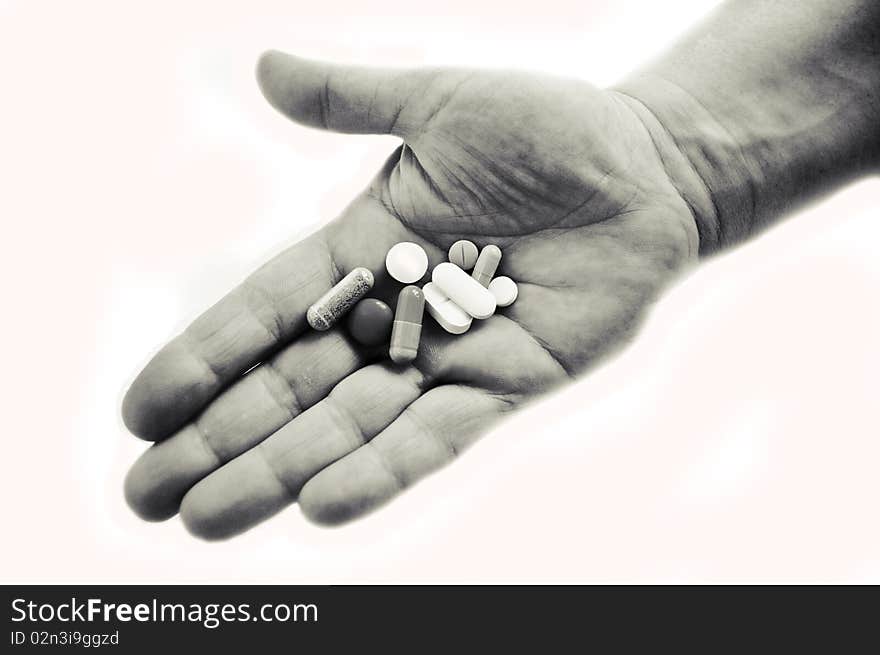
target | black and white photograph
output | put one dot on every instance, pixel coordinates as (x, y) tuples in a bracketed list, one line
[(451, 293)]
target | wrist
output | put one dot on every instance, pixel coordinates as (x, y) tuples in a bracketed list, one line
[(678, 127), (770, 104)]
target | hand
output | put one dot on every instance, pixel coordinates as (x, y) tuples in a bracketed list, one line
[(563, 177)]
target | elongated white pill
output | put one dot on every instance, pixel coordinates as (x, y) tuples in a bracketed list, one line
[(406, 262), (448, 315), (464, 290), (504, 289)]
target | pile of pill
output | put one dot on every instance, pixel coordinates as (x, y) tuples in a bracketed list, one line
[(452, 297)]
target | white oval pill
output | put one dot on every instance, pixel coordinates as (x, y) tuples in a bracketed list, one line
[(406, 262), (504, 289), (464, 290), (448, 315)]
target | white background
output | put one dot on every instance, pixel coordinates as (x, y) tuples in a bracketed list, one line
[(142, 176)]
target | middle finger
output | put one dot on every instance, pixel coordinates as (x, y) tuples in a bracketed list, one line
[(250, 410)]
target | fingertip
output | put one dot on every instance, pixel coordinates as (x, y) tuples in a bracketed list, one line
[(273, 72), (140, 495), (266, 55), (325, 507), (265, 65), (232, 499), (134, 415), (203, 524), (166, 394), (322, 513), (202, 520)]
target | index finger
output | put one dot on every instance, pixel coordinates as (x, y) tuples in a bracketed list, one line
[(265, 311), (222, 343)]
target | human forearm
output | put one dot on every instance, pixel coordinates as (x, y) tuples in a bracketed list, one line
[(770, 104)]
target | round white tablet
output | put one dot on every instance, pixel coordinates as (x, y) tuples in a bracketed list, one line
[(504, 289), (406, 262), (464, 253)]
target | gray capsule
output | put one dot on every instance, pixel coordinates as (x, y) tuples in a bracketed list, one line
[(335, 303), (407, 328), (487, 264)]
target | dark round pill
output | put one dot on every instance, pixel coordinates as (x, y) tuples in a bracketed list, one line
[(369, 323)]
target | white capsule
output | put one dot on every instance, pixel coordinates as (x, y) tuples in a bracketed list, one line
[(450, 316), (504, 289), (464, 290), (406, 262)]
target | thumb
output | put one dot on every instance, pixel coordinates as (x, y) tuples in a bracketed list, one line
[(348, 99)]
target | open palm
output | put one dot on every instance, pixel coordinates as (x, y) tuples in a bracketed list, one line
[(563, 177)]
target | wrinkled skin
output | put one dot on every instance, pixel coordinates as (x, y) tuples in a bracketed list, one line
[(562, 176)]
